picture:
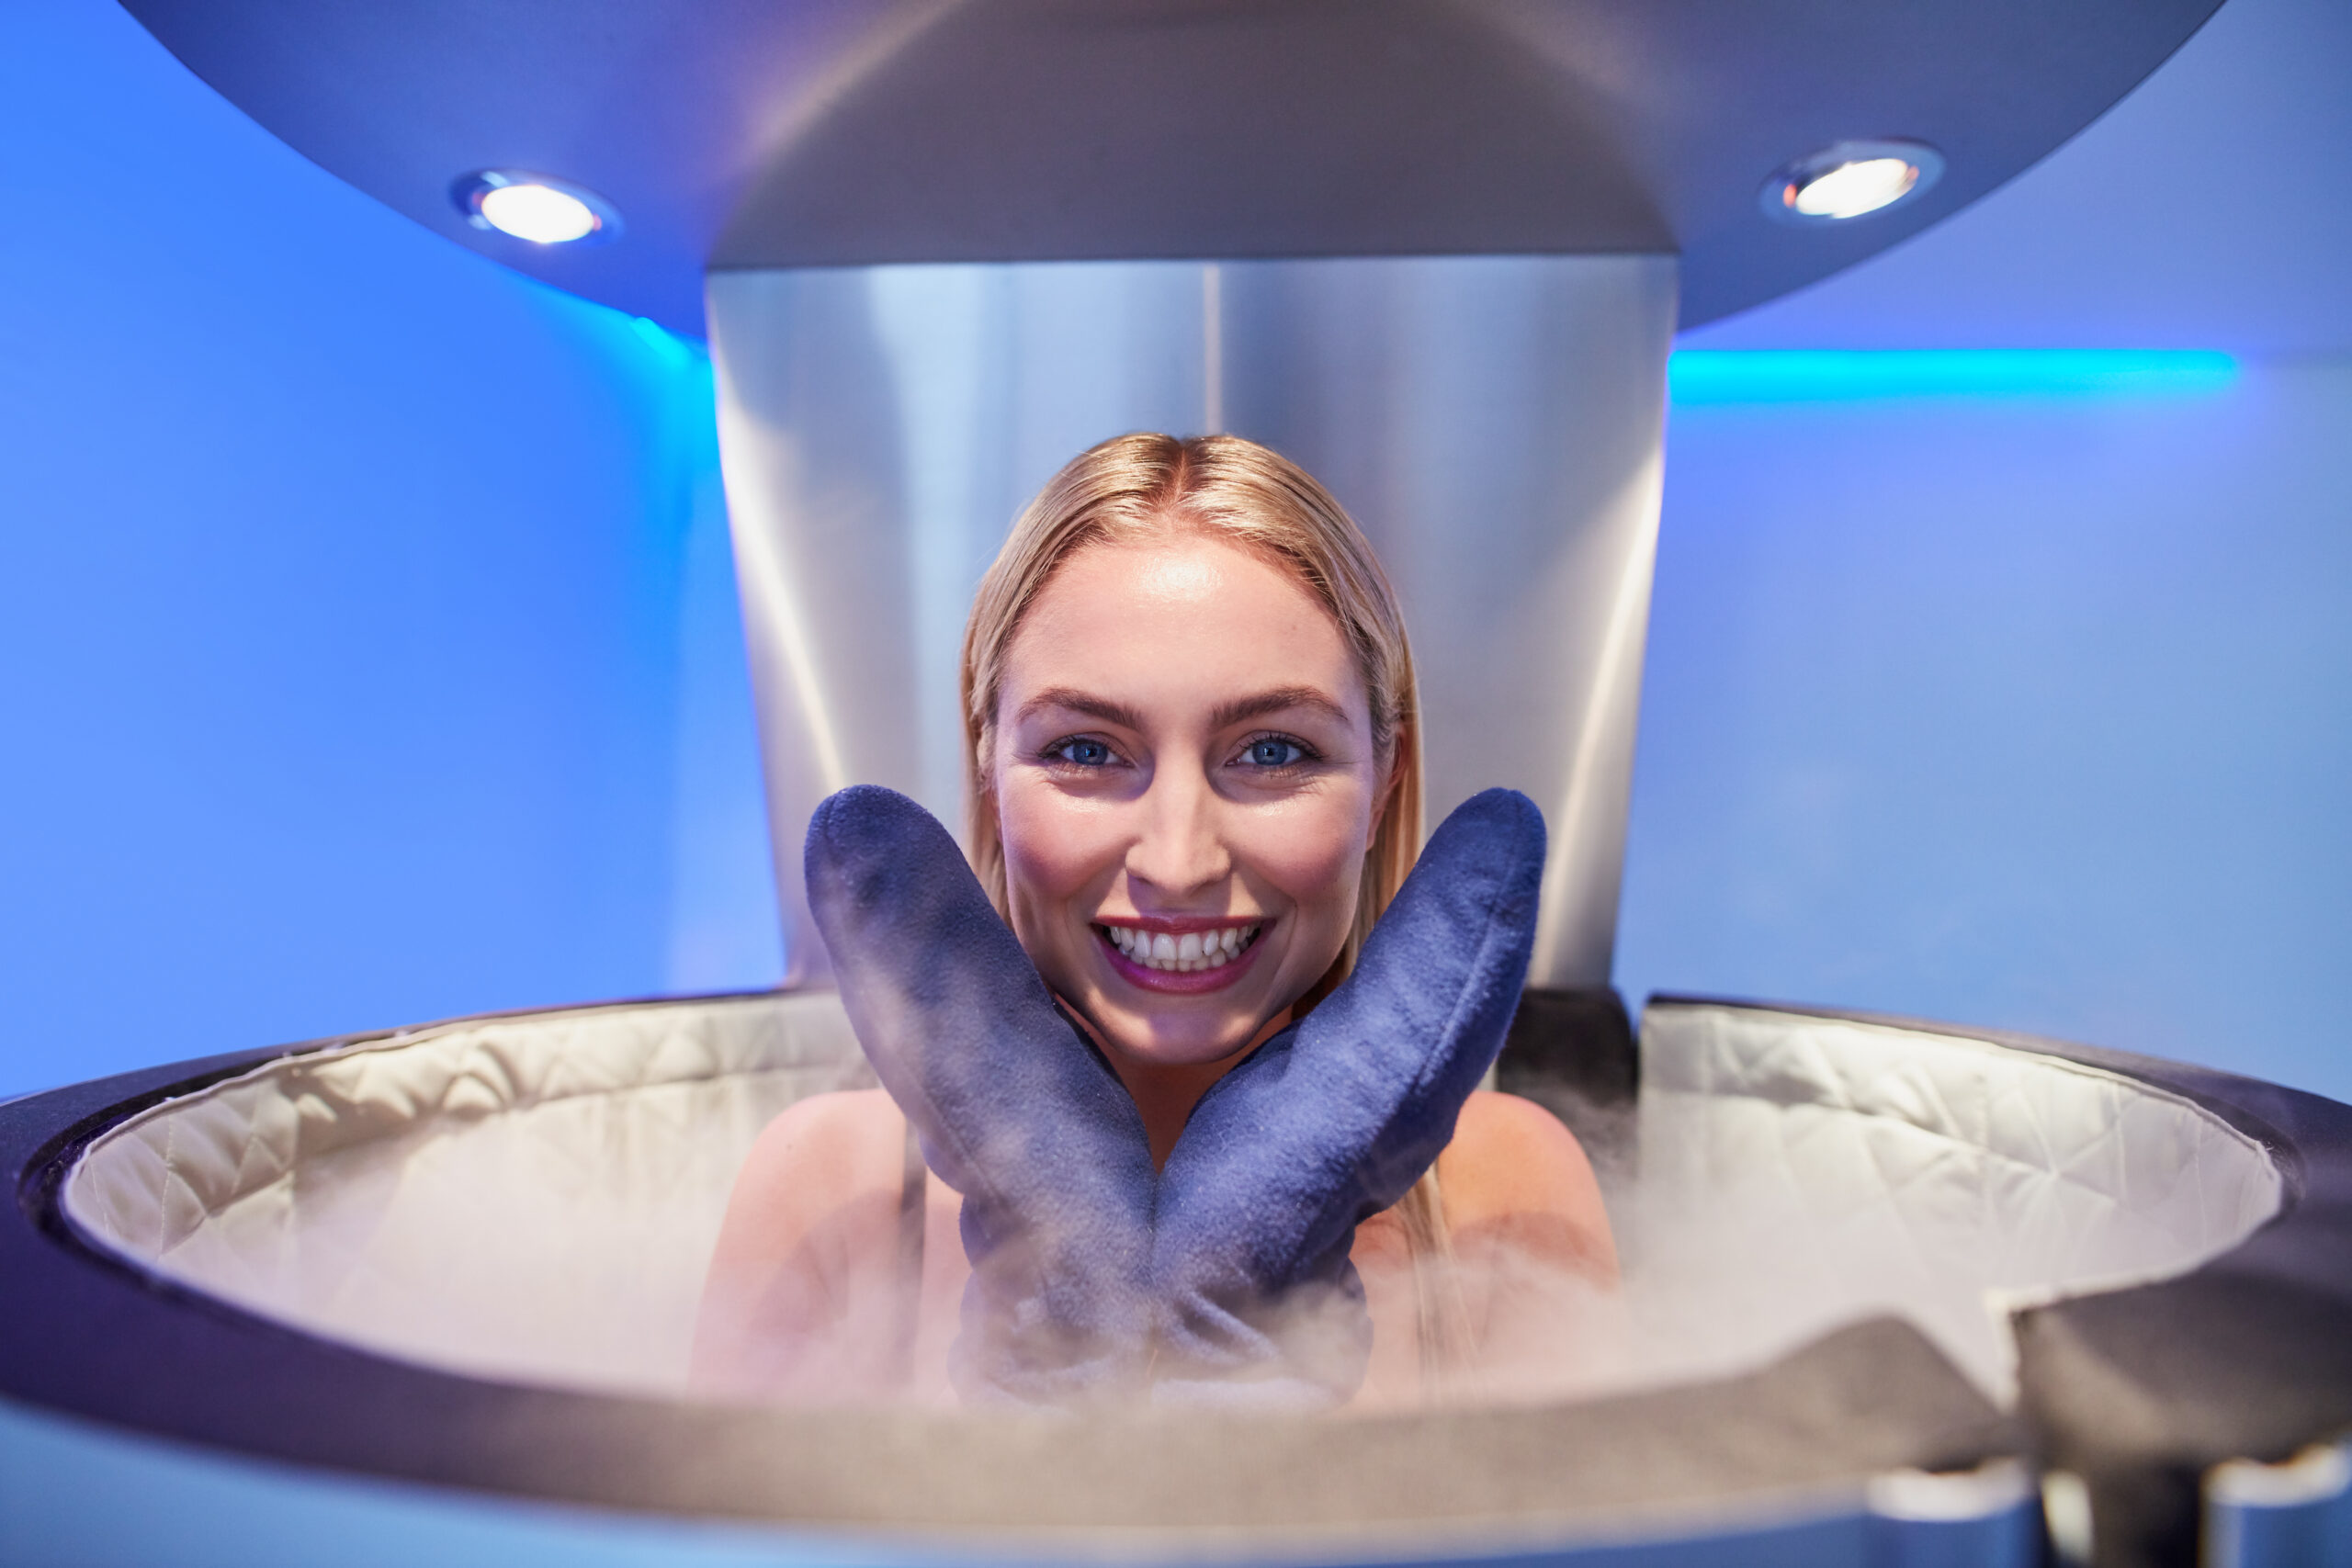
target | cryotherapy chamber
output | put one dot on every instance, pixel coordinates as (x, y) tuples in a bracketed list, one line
[(1895, 1291)]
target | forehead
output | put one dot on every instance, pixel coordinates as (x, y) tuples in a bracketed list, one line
[(1181, 604)]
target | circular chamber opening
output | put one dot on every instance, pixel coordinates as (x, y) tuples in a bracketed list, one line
[(536, 207), (1850, 179), (438, 1254), (535, 1198)]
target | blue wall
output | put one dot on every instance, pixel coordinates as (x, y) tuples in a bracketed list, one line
[(2030, 709), (341, 577), (367, 649)]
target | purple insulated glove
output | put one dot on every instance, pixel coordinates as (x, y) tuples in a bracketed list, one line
[(1333, 1120), (1014, 1107), (1225, 1280)]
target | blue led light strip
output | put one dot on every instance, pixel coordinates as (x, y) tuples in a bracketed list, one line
[(1794, 375)]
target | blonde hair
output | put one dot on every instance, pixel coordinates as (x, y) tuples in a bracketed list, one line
[(1142, 486)]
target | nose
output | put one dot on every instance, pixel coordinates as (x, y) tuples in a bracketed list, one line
[(1180, 851)]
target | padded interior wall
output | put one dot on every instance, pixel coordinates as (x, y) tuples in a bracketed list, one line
[(535, 1198), (1796, 1168)]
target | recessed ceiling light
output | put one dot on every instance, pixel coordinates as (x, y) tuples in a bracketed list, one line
[(1850, 178), (532, 207)]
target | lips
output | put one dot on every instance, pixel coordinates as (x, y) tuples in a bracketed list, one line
[(1206, 957)]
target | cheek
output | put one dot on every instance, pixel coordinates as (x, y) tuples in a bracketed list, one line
[(1313, 854), (1055, 848)]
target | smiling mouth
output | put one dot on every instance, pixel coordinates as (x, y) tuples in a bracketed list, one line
[(1196, 951)]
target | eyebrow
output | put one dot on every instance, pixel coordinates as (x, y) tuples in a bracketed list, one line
[(1227, 716), (1075, 700), (1275, 701)]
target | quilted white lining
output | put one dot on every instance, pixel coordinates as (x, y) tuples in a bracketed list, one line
[(1797, 1172), (535, 1198)]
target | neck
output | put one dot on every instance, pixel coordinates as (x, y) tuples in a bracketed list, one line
[(1165, 1093)]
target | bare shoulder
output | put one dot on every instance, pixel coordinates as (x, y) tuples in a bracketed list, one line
[(841, 1121), (821, 1153), (1514, 1165), (1508, 1152), (809, 1222)]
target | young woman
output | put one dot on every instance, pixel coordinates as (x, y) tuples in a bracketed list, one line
[(1195, 786)]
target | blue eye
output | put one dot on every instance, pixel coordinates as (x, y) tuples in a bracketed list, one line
[(1273, 752), (1085, 753)]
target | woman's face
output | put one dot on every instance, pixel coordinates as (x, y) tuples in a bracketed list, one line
[(1186, 783)]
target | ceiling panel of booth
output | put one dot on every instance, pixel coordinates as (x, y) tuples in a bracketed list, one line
[(744, 133), (2202, 212)]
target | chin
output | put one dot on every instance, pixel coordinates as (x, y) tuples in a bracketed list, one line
[(1189, 1043)]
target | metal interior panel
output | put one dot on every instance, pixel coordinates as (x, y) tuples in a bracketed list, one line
[(1494, 423)]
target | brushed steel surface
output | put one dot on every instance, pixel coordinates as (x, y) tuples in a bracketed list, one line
[(1493, 423)]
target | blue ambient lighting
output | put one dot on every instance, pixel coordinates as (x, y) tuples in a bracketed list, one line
[(658, 338), (1798, 376)]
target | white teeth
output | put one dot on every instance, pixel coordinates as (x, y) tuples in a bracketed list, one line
[(1191, 952)]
